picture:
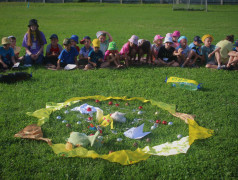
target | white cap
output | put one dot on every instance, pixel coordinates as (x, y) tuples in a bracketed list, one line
[(168, 39)]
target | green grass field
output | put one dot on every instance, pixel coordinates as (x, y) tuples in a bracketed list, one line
[(215, 106)]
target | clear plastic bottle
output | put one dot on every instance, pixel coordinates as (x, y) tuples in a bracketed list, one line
[(185, 85)]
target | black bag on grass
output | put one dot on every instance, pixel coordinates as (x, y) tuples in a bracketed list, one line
[(14, 77)]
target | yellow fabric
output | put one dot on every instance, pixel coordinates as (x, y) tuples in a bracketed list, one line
[(197, 132), (106, 120), (43, 115), (177, 79), (207, 36), (124, 157)]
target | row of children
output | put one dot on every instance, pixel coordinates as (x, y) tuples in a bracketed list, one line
[(171, 50)]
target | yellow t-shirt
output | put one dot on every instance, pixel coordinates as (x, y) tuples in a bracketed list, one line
[(226, 46)]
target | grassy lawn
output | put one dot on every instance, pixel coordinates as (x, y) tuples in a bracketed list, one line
[(215, 106)]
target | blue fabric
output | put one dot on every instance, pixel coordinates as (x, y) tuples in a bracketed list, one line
[(195, 48), (206, 51), (68, 57), (85, 52), (94, 57), (6, 55), (28, 59)]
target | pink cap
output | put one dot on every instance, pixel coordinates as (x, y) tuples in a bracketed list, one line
[(176, 34), (158, 37), (134, 39)]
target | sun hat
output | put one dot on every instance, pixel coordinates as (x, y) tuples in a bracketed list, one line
[(11, 37), (198, 39), (66, 41), (96, 43), (169, 35), (207, 36), (33, 22), (99, 33), (83, 40), (75, 38), (158, 37), (140, 41), (53, 36), (182, 37), (112, 46), (168, 39), (236, 43), (5, 40), (134, 39), (176, 34)]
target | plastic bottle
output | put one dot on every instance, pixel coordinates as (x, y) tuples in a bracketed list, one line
[(188, 86), (183, 83)]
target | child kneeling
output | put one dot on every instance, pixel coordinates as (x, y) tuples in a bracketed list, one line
[(112, 55)]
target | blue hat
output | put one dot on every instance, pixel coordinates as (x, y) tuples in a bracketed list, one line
[(236, 43), (198, 39), (75, 38), (53, 36), (85, 37), (182, 37)]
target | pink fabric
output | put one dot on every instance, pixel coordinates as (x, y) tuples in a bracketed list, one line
[(125, 48), (109, 52), (175, 44)]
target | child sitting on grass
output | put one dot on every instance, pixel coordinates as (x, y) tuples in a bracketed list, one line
[(15, 48), (6, 55), (144, 48), (95, 57), (182, 51), (211, 53), (68, 55), (74, 41), (226, 46), (166, 54), (175, 36), (158, 43), (112, 55), (102, 35), (195, 53), (34, 41), (53, 50), (233, 60), (84, 51), (129, 50)]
